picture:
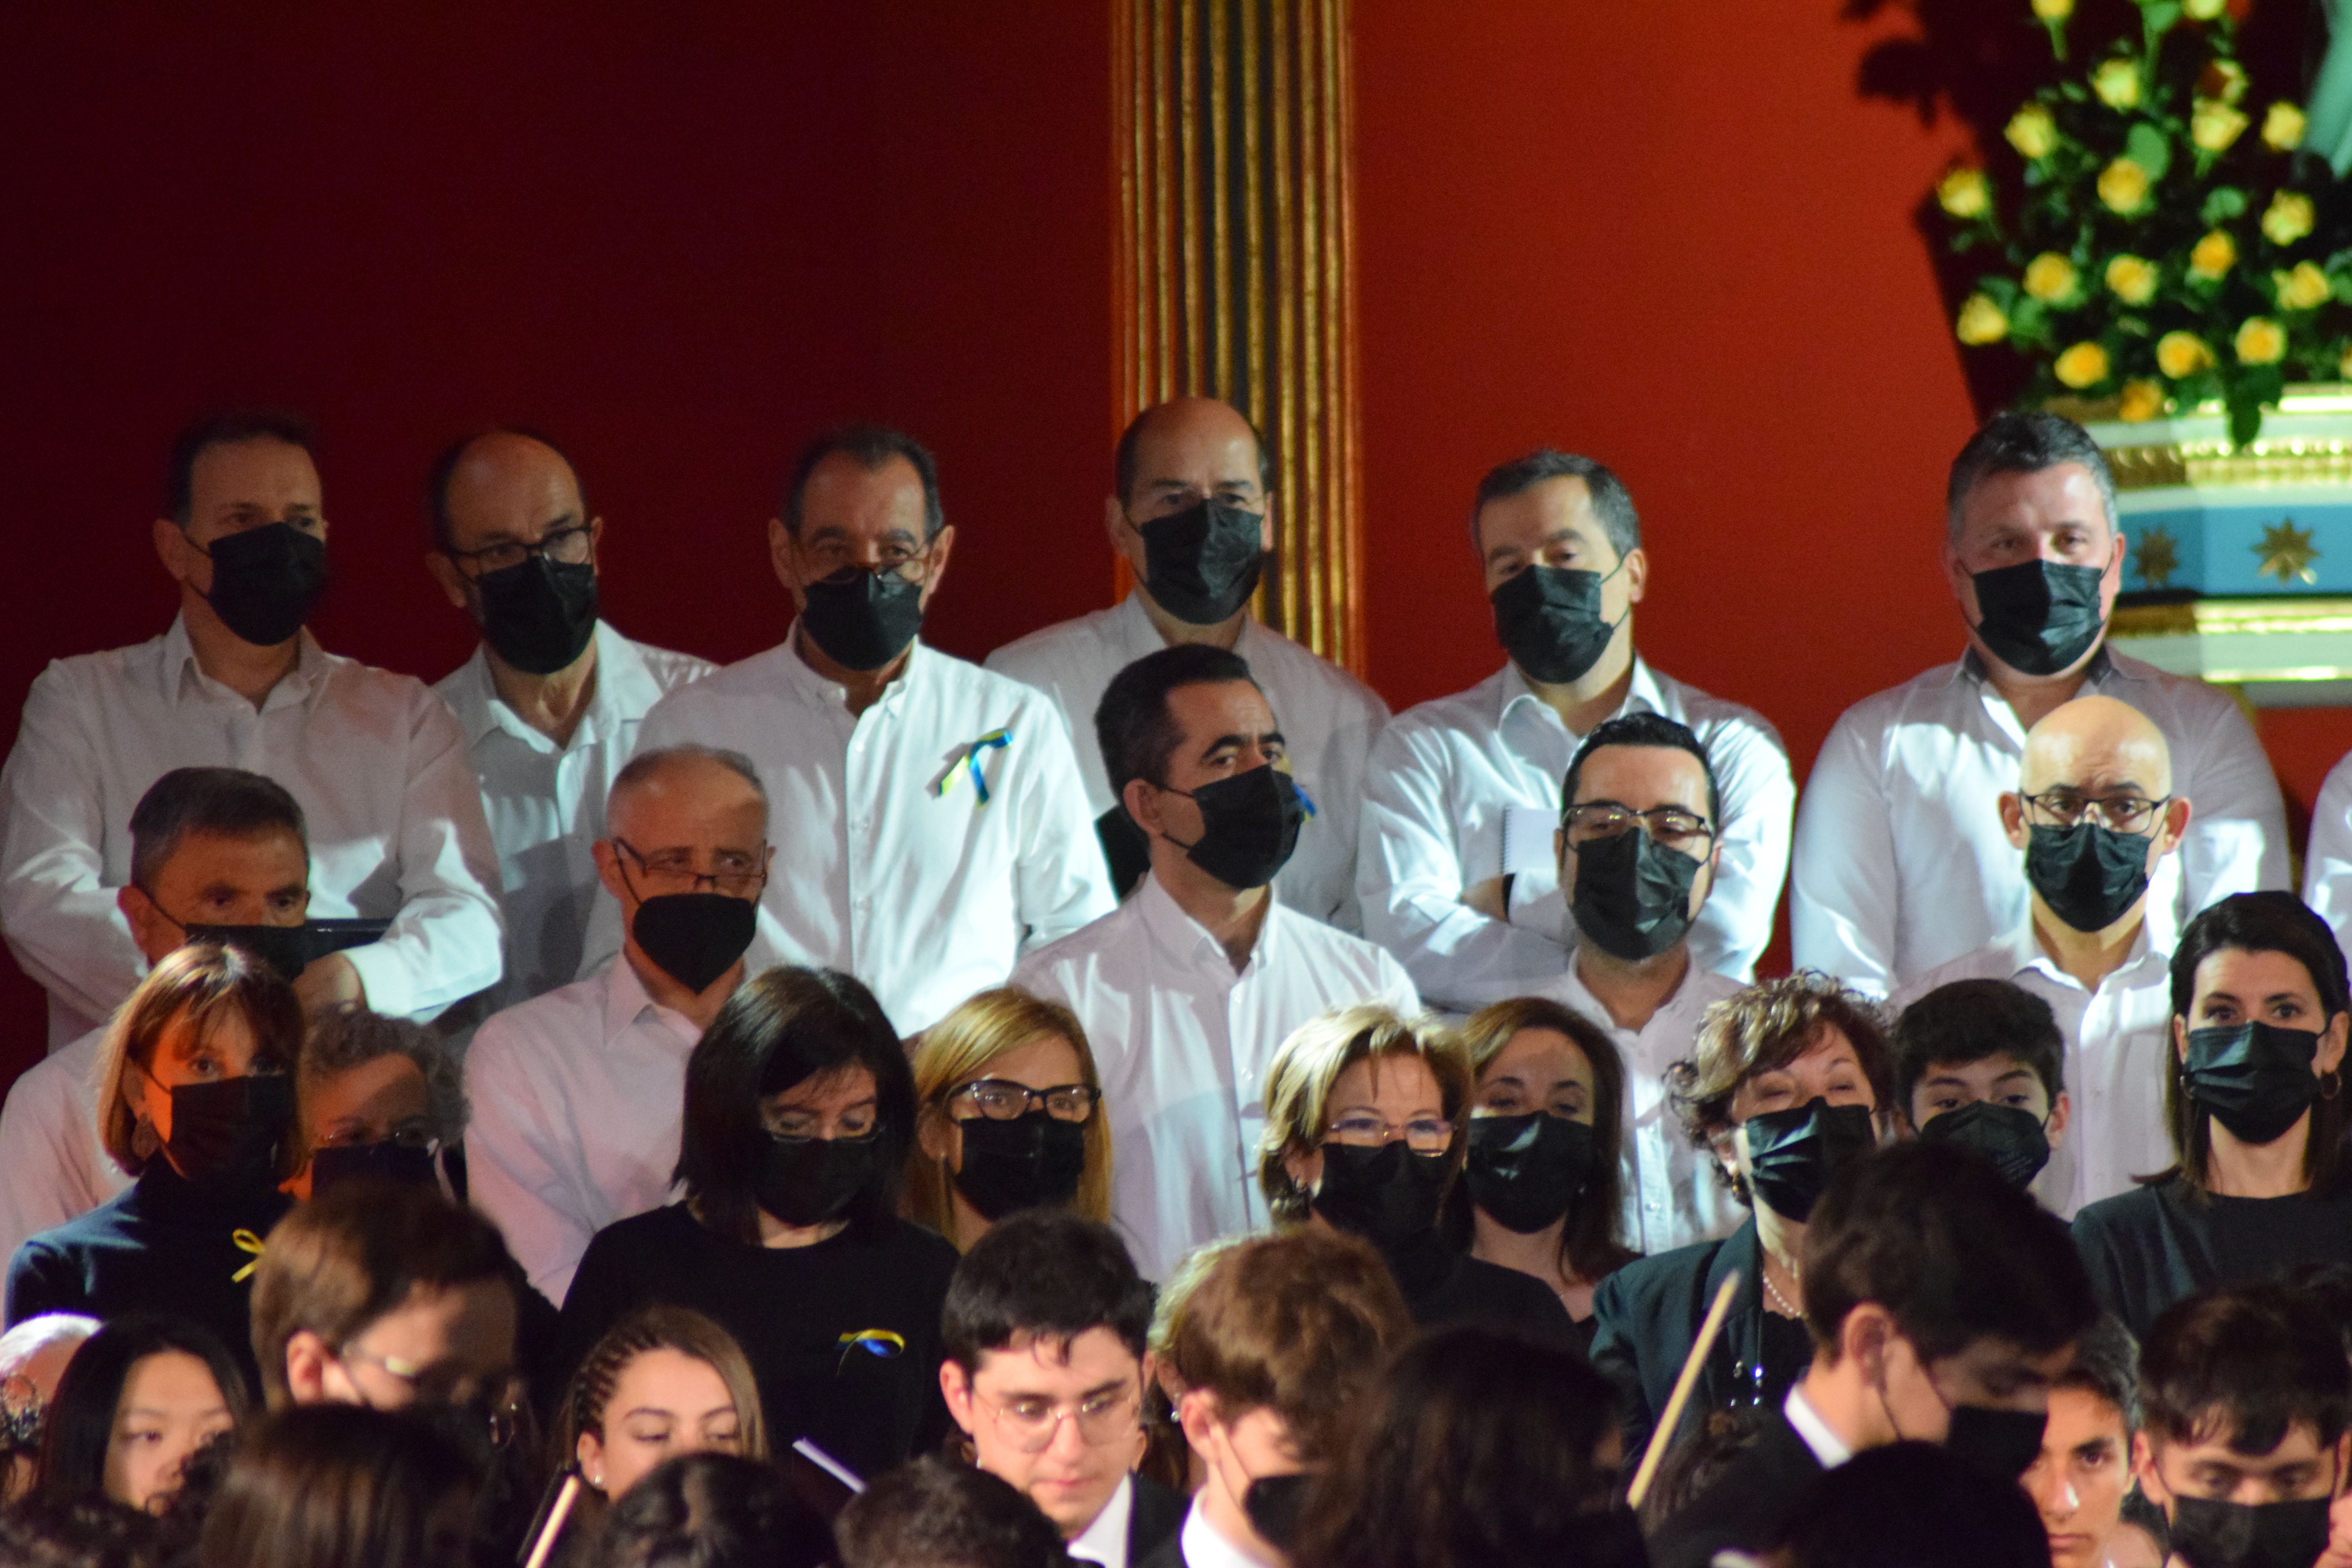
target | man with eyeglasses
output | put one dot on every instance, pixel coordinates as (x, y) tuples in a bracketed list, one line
[(929, 815), (578, 1096), (551, 700), (2096, 814), (1454, 864), (1639, 854)]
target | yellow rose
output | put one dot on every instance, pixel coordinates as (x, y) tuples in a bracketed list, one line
[(2282, 127), (2054, 10), (2213, 255), (2304, 288), (2289, 217), (1981, 322), (2032, 132), (2213, 125), (2224, 80), (2131, 279), (1964, 193), (2182, 354), (2116, 82), (2049, 278), (2260, 341), (2083, 365), (2123, 185), (2142, 400)]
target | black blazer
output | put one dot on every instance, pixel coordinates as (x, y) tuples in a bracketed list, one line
[(1647, 1314), (1169, 1554), (1748, 1506), (1154, 1515)]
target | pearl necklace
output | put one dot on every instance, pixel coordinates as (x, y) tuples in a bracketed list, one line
[(1778, 1299)]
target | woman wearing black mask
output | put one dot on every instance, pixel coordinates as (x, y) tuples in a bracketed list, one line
[(1541, 1175), (798, 1112), (1010, 1119), (1365, 1130), (195, 1100), (2254, 1094), (1791, 1079)]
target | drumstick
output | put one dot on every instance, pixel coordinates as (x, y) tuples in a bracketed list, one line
[(1663, 1438), (556, 1515)]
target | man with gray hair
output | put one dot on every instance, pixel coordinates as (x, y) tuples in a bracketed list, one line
[(578, 1095), (1903, 862)]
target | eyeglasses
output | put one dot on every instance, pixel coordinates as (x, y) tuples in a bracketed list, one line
[(1422, 1135), (738, 873), (1032, 1422), (1592, 820), (1001, 1099), (498, 1397), (566, 546), (2123, 813)]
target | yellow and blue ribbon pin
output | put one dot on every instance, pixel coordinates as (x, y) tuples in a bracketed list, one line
[(998, 740), (883, 1343)]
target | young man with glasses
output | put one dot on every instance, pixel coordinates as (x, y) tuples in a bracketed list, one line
[(2095, 813), (577, 1096), (1044, 1329)]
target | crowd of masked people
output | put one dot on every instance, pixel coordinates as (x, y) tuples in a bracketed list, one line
[(1138, 1101)]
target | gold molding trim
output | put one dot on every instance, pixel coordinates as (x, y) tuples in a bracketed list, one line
[(2206, 617)]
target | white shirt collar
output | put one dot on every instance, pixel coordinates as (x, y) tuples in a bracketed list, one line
[(180, 665), (1642, 693), (626, 1000), (1827, 1445), (813, 684), (1105, 1540), (2025, 948), (1187, 939), (1205, 1546), (623, 685)]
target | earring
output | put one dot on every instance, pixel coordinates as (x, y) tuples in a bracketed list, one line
[(2331, 1084)]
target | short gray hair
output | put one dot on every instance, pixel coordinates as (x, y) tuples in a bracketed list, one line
[(354, 1037), (2024, 443), (646, 765)]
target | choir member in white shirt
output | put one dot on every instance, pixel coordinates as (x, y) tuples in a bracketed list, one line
[(1189, 989), (2327, 862), (1454, 860), (577, 1095), (380, 768), (1903, 862), (2094, 813), (551, 700), (1194, 519), (930, 814), (214, 849)]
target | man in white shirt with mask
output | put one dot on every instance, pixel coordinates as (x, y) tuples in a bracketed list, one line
[(551, 700), (1454, 864), (929, 814), (1193, 519), (377, 764), (1903, 862), (1189, 988)]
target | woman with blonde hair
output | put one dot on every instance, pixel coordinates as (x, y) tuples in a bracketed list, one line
[(1008, 1117), (1366, 1122)]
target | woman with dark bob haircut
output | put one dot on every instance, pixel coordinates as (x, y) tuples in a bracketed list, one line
[(2254, 1094), (332, 1484), (800, 1109), (135, 1403)]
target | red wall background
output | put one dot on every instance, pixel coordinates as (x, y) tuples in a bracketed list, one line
[(682, 238)]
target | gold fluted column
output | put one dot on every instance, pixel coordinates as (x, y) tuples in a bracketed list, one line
[(1234, 265)]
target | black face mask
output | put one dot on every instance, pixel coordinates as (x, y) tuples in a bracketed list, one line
[(1249, 826), (1548, 619), (2256, 1078), (1202, 564), (2003, 1443), (402, 1165), (227, 1132), (1525, 1170), (863, 619), (694, 938), (538, 614), (1633, 894), (2039, 617), (1792, 1153), (808, 1181), (1034, 1161), (265, 580), (2207, 1533), (1389, 1195), (286, 949), (2013, 1139), (2088, 873), (1273, 1504)]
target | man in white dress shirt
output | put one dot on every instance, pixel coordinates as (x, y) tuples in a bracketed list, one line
[(578, 1095), (2094, 813), (929, 814), (209, 848), (2328, 863), (1638, 857), (1186, 990), (1903, 862), (378, 765), (551, 700), (1454, 863), (1194, 519)]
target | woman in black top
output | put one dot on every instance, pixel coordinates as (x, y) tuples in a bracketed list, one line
[(195, 1100), (1541, 1174), (799, 1111), (2254, 1093)]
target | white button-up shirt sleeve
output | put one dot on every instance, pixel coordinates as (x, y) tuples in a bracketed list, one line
[(1062, 882), (520, 1163), (2327, 866), (1846, 896), (52, 1167), (2236, 841)]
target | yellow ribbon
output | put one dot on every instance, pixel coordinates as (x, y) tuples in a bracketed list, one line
[(246, 1242)]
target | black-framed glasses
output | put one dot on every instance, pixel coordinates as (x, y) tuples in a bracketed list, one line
[(738, 873), (1001, 1099), (2132, 813), (1670, 824), (565, 546)]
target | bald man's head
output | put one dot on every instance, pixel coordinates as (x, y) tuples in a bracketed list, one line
[(1167, 443), (2097, 747), (702, 780), (502, 484), (2095, 811)]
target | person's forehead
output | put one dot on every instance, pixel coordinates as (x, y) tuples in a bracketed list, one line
[(668, 1375), (1526, 519), (1390, 1076), (1643, 777), (2251, 974), (388, 1086), (844, 1085), (686, 802), (1539, 1055), (508, 486), (2093, 759), (1206, 710), (1983, 1073), (262, 468), (261, 860), (843, 495), (1194, 440), (1041, 1061), (2047, 498), (1826, 1050), (2209, 1444), (2078, 1414), (1047, 1362)]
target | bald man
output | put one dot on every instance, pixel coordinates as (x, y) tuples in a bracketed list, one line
[(578, 1095), (2095, 813), (33, 1356), (551, 700), (1192, 515)]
